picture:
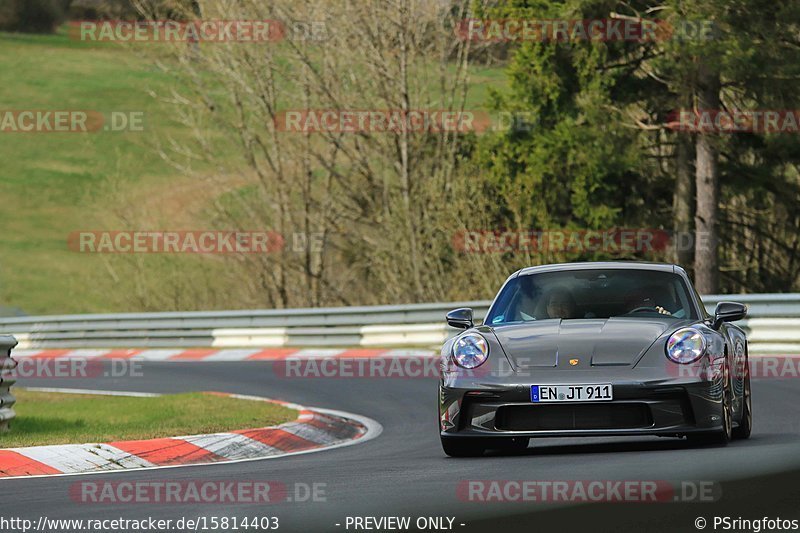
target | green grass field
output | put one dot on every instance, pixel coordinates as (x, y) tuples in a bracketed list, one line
[(56, 418), (49, 182), (56, 183)]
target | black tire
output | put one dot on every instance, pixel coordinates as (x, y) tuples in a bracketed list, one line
[(723, 436), (463, 447), (746, 422)]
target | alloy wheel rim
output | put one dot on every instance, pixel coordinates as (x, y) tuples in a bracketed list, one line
[(748, 402), (727, 406)]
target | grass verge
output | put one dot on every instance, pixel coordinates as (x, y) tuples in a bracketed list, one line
[(56, 418), (54, 184)]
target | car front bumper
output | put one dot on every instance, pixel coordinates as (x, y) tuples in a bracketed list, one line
[(657, 406)]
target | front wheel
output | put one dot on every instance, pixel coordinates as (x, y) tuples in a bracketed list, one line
[(746, 423), (723, 436)]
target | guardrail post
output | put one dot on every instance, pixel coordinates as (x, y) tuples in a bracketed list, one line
[(7, 379)]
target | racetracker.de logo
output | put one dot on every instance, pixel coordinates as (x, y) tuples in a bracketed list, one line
[(69, 121), (609, 240), (225, 492), (582, 30), (736, 121), (587, 491), (381, 121), (358, 367), (198, 31), (759, 367), (74, 368), (198, 242)]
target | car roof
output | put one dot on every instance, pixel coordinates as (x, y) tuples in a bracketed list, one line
[(592, 265)]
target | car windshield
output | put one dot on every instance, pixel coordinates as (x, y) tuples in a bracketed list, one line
[(580, 294)]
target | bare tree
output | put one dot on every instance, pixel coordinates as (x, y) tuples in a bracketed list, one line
[(367, 216)]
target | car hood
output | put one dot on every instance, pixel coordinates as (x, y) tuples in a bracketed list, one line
[(617, 341)]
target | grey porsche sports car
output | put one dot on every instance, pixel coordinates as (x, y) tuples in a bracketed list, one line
[(594, 349)]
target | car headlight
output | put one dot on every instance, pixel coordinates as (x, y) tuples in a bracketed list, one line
[(686, 345), (470, 350)]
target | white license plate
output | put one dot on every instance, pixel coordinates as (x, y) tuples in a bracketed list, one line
[(572, 393)]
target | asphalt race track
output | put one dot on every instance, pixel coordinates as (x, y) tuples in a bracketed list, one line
[(405, 473)]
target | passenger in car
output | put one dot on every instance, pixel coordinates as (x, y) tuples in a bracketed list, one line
[(561, 304)]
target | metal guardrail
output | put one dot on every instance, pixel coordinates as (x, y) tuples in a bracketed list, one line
[(773, 324), (336, 326), (7, 364)]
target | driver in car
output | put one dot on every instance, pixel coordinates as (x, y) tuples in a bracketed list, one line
[(641, 301)]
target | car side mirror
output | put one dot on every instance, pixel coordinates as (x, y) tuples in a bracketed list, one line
[(729, 312), (460, 318)]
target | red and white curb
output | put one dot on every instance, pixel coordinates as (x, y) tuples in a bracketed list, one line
[(226, 354), (315, 429)]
